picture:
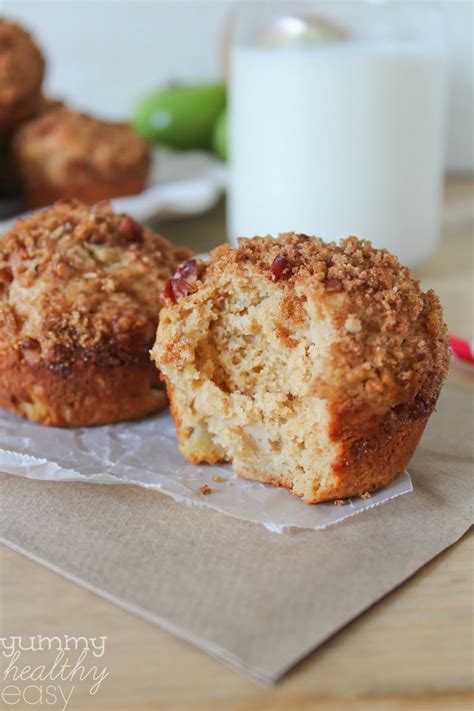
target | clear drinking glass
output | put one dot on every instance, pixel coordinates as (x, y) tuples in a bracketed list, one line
[(337, 122)]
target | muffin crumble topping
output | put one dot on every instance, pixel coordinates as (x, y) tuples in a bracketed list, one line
[(92, 285), (182, 283)]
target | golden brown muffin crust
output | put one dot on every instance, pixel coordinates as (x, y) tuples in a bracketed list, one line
[(82, 280), (66, 154), (21, 74), (80, 285), (81, 142), (312, 365)]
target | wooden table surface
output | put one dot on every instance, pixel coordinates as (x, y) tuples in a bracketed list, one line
[(413, 650)]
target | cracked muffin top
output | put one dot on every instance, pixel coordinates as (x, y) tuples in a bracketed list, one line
[(80, 282)]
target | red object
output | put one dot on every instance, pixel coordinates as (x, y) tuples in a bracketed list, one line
[(167, 294), (279, 267), (462, 349), (131, 230), (187, 270)]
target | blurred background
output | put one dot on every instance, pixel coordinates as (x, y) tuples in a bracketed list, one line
[(257, 117), (106, 54)]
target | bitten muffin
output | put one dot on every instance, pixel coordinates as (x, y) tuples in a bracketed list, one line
[(311, 366), (63, 154), (22, 69), (79, 291)]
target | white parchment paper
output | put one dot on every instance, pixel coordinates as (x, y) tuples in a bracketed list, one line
[(146, 453)]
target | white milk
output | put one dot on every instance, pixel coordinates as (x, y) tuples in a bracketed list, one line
[(339, 139)]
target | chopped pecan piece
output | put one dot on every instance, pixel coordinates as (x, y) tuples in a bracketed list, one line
[(130, 230), (181, 284), (167, 294), (181, 287), (30, 344), (187, 270), (279, 267)]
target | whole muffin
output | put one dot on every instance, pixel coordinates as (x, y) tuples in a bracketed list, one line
[(22, 69), (79, 308), (311, 366), (63, 154)]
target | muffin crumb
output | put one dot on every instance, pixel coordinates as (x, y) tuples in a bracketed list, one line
[(315, 375)]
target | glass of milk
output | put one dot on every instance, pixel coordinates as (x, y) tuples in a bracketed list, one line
[(337, 123)]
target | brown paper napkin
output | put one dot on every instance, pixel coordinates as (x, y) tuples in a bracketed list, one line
[(257, 600)]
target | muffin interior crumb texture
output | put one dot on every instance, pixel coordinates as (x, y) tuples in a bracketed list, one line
[(263, 373), (290, 357)]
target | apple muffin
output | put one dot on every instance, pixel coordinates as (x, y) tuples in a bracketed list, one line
[(309, 365), (79, 289), (22, 68), (64, 154)]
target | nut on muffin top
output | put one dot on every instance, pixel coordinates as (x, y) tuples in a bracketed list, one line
[(389, 341), (80, 282)]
